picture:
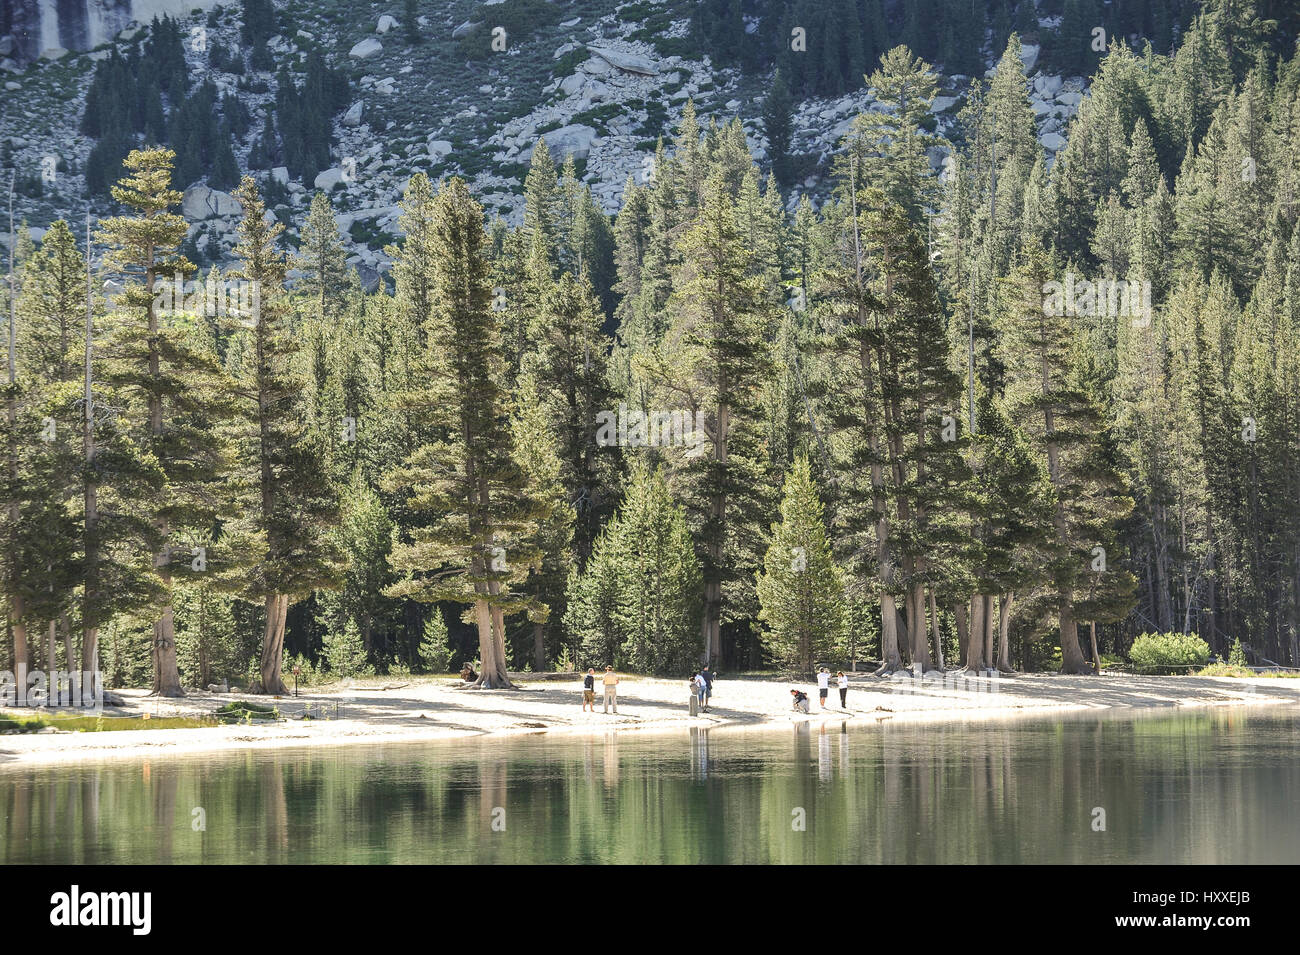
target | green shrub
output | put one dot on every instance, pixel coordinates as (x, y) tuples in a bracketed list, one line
[(243, 712), (566, 64), (1225, 669), (1168, 652)]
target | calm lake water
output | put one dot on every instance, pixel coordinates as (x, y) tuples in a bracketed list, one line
[(1193, 786)]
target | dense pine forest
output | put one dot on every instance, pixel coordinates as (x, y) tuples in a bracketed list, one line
[(999, 414)]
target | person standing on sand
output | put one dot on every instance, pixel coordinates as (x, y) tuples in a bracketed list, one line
[(823, 685), (589, 690), (707, 676), (611, 689), (844, 689)]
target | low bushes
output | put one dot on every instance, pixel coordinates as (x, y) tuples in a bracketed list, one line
[(1168, 652)]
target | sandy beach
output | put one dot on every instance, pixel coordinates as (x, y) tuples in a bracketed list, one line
[(378, 710)]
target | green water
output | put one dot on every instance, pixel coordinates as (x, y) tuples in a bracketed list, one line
[(1193, 786)]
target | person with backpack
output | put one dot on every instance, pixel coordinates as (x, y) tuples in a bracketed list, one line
[(589, 690), (707, 676)]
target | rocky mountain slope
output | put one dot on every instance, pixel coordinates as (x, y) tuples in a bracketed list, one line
[(591, 77)]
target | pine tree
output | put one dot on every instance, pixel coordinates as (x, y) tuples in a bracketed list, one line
[(801, 590), (637, 605), (322, 259), (1065, 428), (542, 211), (570, 372), (435, 650), (51, 312), (410, 17), (177, 388), (886, 392), (886, 144), (474, 545), (537, 453), (294, 506), (778, 118), (714, 362), (345, 651)]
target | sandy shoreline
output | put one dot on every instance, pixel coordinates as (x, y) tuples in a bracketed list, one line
[(418, 709)]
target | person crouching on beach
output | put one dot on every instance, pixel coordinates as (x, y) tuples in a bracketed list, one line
[(589, 690), (800, 700)]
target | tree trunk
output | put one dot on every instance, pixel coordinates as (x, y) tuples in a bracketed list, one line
[(90, 649), (65, 628), (1163, 605), (1072, 660), (920, 632), (988, 631), (962, 614), (90, 536), (975, 649), (492, 650), (938, 640), (539, 647), (167, 676), (1096, 657), (890, 660), (277, 610), (1004, 632)]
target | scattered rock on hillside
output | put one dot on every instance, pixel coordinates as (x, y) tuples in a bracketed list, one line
[(366, 49), (628, 62), (574, 139), (328, 179), (202, 202)]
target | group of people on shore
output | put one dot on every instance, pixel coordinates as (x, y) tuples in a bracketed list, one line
[(701, 686), (800, 698), (610, 683)]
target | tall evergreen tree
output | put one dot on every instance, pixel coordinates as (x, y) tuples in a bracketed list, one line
[(177, 388), (474, 544), (295, 508)]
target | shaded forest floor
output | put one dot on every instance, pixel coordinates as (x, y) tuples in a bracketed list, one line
[(377, 711)]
